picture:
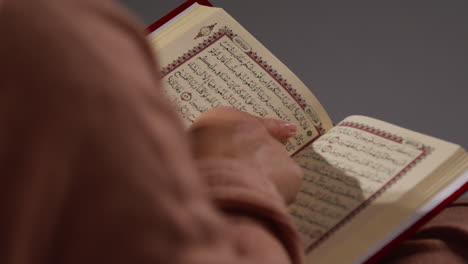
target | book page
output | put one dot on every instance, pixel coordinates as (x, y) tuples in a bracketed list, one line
[(209, 60), (352, 173)]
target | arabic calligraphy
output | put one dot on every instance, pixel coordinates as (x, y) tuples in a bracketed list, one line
[(224, 75), (342, 169)]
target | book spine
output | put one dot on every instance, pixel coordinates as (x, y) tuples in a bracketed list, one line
[(174, 13)]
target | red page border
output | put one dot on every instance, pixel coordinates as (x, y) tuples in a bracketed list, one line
[(174, 13)]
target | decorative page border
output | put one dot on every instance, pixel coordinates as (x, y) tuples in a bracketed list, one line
[(225, 31), (426, 150)]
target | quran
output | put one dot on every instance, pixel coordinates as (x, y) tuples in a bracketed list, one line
[(368, 184)]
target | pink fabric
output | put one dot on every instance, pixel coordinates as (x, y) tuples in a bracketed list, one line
[(443, 240), (96, 167)]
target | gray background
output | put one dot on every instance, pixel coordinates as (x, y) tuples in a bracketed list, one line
[(402, 61)]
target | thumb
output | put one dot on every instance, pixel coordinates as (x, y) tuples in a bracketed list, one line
[(279, 129)]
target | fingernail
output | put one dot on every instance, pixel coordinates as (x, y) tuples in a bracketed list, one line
[(290, 127)]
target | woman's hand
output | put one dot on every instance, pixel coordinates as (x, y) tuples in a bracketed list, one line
[(252, 141)]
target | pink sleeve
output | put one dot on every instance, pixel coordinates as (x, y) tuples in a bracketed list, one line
[(234, 187), (95, 165)]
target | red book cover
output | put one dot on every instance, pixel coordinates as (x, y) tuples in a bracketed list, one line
[(174, 13)]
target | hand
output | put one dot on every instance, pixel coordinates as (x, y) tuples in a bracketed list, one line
[(225, 132)]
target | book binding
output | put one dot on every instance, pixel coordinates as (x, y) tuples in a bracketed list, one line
[(174, 13)]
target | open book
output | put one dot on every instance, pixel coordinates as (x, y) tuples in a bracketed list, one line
[(367, 184)]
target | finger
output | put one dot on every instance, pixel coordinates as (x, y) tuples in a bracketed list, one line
[(219, 115), (288, 176), (294, 183), (279, 129)]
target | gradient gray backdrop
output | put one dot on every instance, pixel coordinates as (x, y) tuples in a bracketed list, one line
[(402, 61)]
